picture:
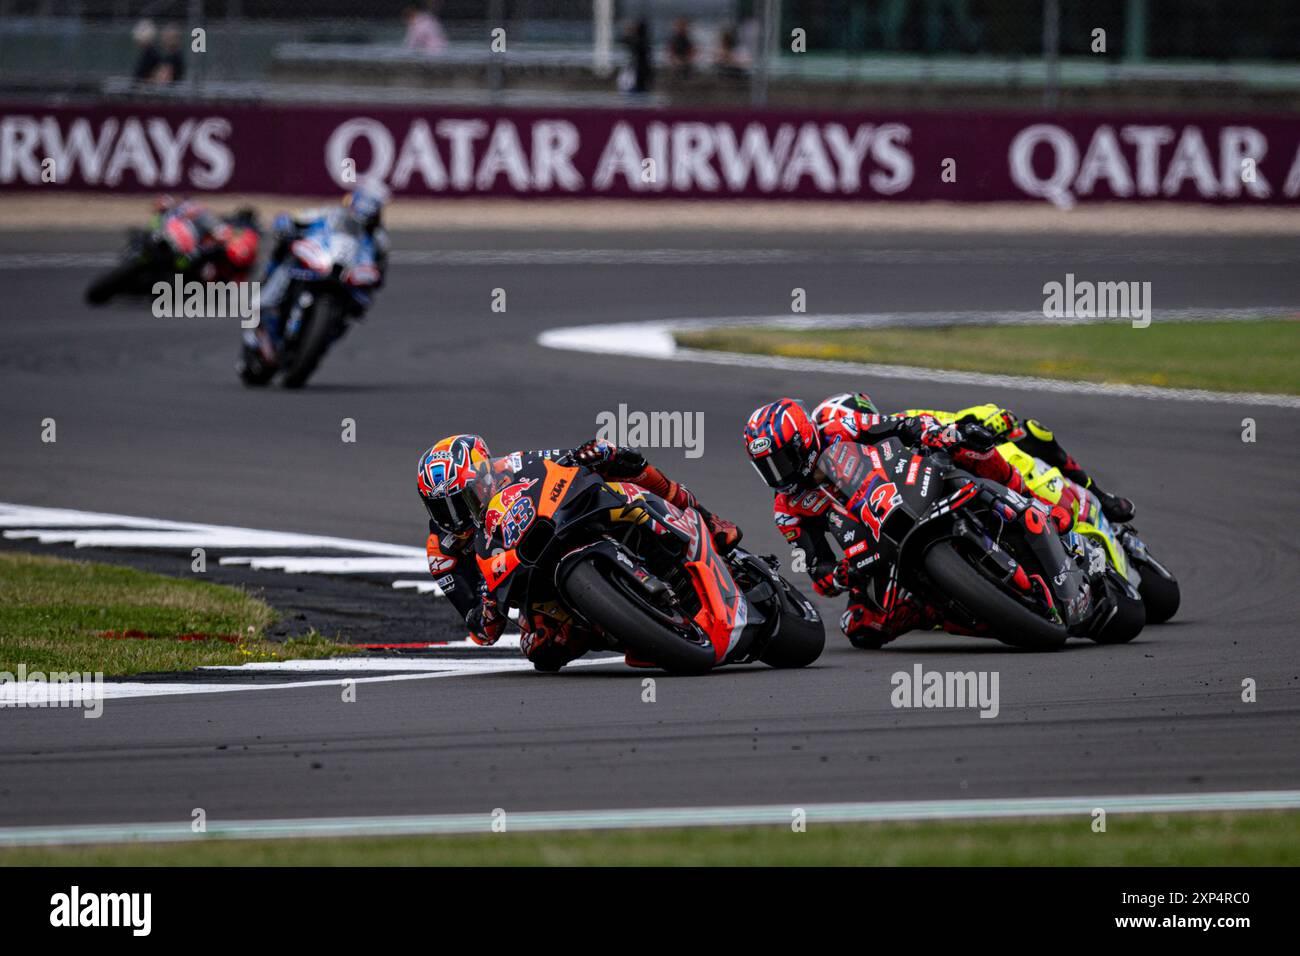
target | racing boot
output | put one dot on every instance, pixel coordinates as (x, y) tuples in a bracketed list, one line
[(549, 645), (868, 627), (726, 535), (1116, 509)]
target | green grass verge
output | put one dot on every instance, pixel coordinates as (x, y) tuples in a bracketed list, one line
[(1202, 839), (1259, 356), (55, 615)]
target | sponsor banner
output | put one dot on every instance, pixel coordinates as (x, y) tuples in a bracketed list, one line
[(430, 152)]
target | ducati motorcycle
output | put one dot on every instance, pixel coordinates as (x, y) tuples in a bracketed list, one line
[(639, 573), (990, 558), (1125, 551)]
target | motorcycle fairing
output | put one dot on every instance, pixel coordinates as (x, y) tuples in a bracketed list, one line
[(543, 494)]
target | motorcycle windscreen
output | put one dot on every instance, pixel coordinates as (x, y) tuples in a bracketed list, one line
[(845, 466)]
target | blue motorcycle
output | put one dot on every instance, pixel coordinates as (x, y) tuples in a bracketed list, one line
[(331, 273)]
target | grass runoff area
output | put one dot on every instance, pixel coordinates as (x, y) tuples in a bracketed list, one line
[(75, 616), (1261, 356), (1194, 839)]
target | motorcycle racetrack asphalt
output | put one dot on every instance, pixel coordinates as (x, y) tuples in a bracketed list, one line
[(152, 422)]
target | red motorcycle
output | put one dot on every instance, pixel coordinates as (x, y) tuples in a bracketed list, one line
[(184, 239)]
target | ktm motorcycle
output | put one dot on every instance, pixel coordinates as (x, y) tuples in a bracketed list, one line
[(641, 574), (177, 243), (1125, 551), (332, 278), (990, 558)]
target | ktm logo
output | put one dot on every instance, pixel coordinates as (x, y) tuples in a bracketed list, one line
[(558, 490)]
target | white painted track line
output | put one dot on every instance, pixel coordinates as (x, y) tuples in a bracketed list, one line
[(33, 695), (312, 565), (91, 529), (423, 587), (26, 521), (767, 815)]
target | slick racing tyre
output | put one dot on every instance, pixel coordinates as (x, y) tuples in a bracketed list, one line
[(313, 341), (799, 639), (639, 627), (1129, 617), (116, 281), (1160, 593), (1008, 620), (253, 369)]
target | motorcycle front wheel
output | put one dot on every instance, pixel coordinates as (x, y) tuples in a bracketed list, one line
[(313, 340), (119, 279), (630, 621), (1008, 620)]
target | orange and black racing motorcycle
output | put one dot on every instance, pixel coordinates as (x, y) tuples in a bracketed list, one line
[(643, 575)]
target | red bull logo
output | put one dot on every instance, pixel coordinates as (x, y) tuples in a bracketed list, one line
[(502, 503), (511, 494)]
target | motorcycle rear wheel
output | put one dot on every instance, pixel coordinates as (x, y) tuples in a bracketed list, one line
[(798, 641), (1160, 594), (1009, 621), (602, 602), (1127, 621)]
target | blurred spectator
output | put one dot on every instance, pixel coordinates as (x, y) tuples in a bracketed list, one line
[(424, 34), (750, 37), (145, 35), (638, 75), (729, 59), (893, 18), (949, 24), (171, 64), (681, 51)]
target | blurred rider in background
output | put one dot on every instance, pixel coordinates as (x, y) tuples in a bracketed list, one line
[(361, 211), (217, 248)]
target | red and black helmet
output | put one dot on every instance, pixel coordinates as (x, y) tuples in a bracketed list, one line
[(454, 479), (842, 406), (783, 444)]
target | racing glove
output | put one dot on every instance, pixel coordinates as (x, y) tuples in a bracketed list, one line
[(833, 582), (911, 428), (485, 620), (594, 453), (940, 436), (977, 438)]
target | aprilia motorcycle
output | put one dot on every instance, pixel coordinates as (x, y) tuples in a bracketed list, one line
[(640, 573), (177, 244), (1125, 551), (989, 557), (332, 276)]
